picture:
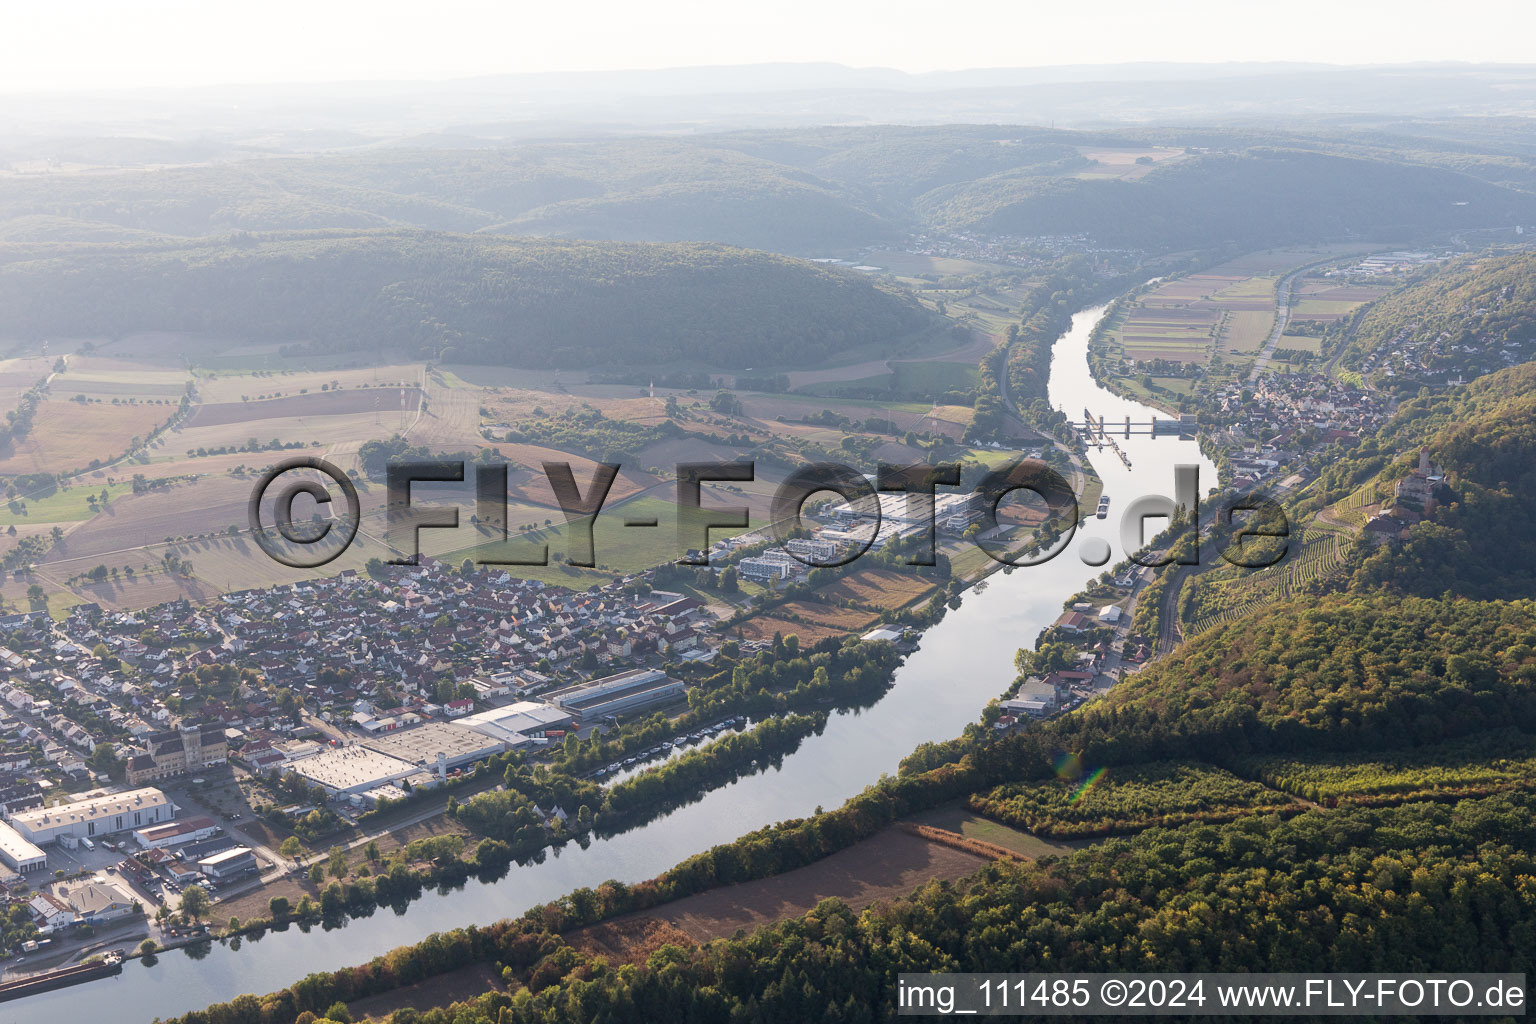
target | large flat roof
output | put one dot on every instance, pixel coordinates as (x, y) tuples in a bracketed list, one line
[(601, 691), (227, 855), (92, 809), (420, 746), (349, 768), (514, 723), (17, 846)]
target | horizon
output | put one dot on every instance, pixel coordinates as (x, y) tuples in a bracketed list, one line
[(169, 44)]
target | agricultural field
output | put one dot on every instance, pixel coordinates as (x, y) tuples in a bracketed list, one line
[(1320, 300), (847, 620), (764, 628), (1214, 323), (67, 436), (1107, 801), (876, 588), (102, 377), (1489, 763), (20, 375), (1126, 163), (964, 822), (168, 518), (889, 864)]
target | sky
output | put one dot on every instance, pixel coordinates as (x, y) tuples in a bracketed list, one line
[(92, 45)]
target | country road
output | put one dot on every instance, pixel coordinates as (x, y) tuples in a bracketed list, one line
[(1282, 321)]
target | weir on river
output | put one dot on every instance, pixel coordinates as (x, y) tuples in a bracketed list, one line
[(964, 661)]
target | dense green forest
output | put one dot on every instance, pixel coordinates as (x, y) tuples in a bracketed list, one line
[(1342, 672), (1430, 886), (463, 298)]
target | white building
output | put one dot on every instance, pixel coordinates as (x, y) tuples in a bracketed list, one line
[(763, 569), (516, 724), (343, 771), (95, 816), (175, 833), (18, 852)]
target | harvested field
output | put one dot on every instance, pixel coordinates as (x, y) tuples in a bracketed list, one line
[(220, 388), (99, 376), (316, 403), (847, 619), (888, 865), (967, 355), (1122, 163), (68, 435), (952, 419), (455, 986), (877, 587), (17, 376), (764, 627)]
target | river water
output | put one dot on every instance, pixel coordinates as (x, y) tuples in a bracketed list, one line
[(964, 661)]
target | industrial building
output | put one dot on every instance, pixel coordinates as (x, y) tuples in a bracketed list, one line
[(233, 863), (422, 746), (18, 852), (95, 816), (194, 852), (175, 833), (818, 552), (516, 724), (420, 757), (625, 692), (344, 771)]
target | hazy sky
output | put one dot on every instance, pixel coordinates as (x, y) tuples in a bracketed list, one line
[(95, 44)]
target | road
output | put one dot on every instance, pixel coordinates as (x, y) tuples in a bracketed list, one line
[(1282, 321)]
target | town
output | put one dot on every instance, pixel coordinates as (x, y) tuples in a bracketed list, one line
[(362, 691)]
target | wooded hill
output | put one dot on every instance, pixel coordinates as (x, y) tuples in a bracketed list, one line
[(462, 298), (1481, 540), (805, 191), (1469, 318)]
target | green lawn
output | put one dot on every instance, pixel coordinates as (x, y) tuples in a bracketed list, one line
[(63, 506)]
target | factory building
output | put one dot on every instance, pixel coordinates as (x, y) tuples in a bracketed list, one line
[(433, 744), (516, 724), (617, 694), (420, 757), (233, 863), (175, 833), (345, 771), (18, 852), (95, 816)]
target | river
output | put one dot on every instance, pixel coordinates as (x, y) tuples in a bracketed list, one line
[(964, 661)]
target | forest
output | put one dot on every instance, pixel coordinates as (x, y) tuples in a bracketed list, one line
[(462, 298)]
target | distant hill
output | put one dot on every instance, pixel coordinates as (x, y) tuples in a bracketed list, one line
[(1259, 197), (825, 190), (463, 298)]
